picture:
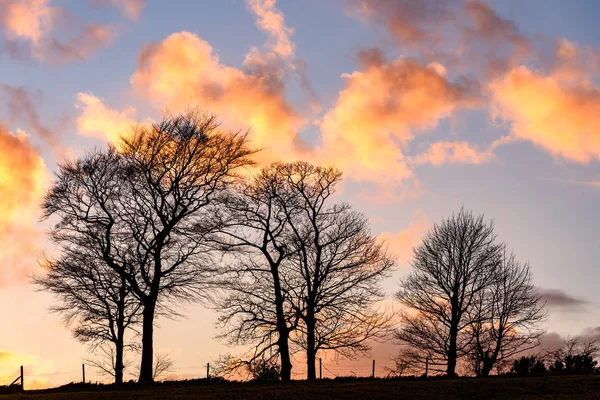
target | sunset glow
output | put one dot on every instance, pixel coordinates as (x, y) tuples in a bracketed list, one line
[(426, 106)]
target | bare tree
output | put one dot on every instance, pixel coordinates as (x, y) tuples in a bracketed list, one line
[(410, 361), (163, 363), (309, 272), (94, 299), (106, 361), (454, 264), (338, 265), (164, 183), (255, 307), (505, 316)]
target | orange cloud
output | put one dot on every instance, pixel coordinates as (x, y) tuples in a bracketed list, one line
[(380, 111), (402, 243), (25, 18), (572, 62), (22, 185), (453, 152), (183, 70), (559, 116), (99, 121)]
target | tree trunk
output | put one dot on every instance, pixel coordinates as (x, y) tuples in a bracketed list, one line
[(488, 363), (119, 362), (147, 342), (119, 365), (451, 367), (284, 355), (486, 369), (311, 353), (282, 330)]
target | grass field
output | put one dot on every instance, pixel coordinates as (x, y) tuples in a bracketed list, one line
[(557, 387)]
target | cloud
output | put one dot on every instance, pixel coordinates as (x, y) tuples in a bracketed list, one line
[(271, 20), (182, 70), (592, 184), (21, 106), (25, 18), (560, 117), (100, 121), (411, 22), (453, 152), (559, 300), (402, 243), (382, 108), (23, 180), (38, 372), (131, 9), (468, 35), (554, 105), (35, 29), (488, 37)]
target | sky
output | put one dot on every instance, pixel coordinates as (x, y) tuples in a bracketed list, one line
[(425, 105)]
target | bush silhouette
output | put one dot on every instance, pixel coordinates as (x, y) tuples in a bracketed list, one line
[(264, 371), (528, 366)]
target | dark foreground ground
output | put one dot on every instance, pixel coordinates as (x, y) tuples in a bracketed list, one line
[(558, 387)]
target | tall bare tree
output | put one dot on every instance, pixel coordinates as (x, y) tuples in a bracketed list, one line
[(164, 181), (455, 263), (338, 266), (505, 317), (95, 299), (256, 306)]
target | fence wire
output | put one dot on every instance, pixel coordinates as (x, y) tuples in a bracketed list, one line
[(41, 380)]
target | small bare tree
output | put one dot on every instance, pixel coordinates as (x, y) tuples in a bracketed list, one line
[(105, 361), (505, 317), (163, 364), (455, 264)]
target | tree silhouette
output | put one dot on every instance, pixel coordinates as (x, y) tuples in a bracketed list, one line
[(505, 316), (338, 266), (94, 298), (455, 264), (165, 181), (307, 272), (256, 306)]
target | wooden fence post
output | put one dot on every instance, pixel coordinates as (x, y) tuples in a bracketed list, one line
[(207, 370), (373, 373), (22, 381), (320, 368), (83, 372)]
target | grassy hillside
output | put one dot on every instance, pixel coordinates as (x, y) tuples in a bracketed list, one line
[(558, 387)]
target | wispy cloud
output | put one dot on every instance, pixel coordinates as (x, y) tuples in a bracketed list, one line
[(559, 300), (131, 9), (36, 29)]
